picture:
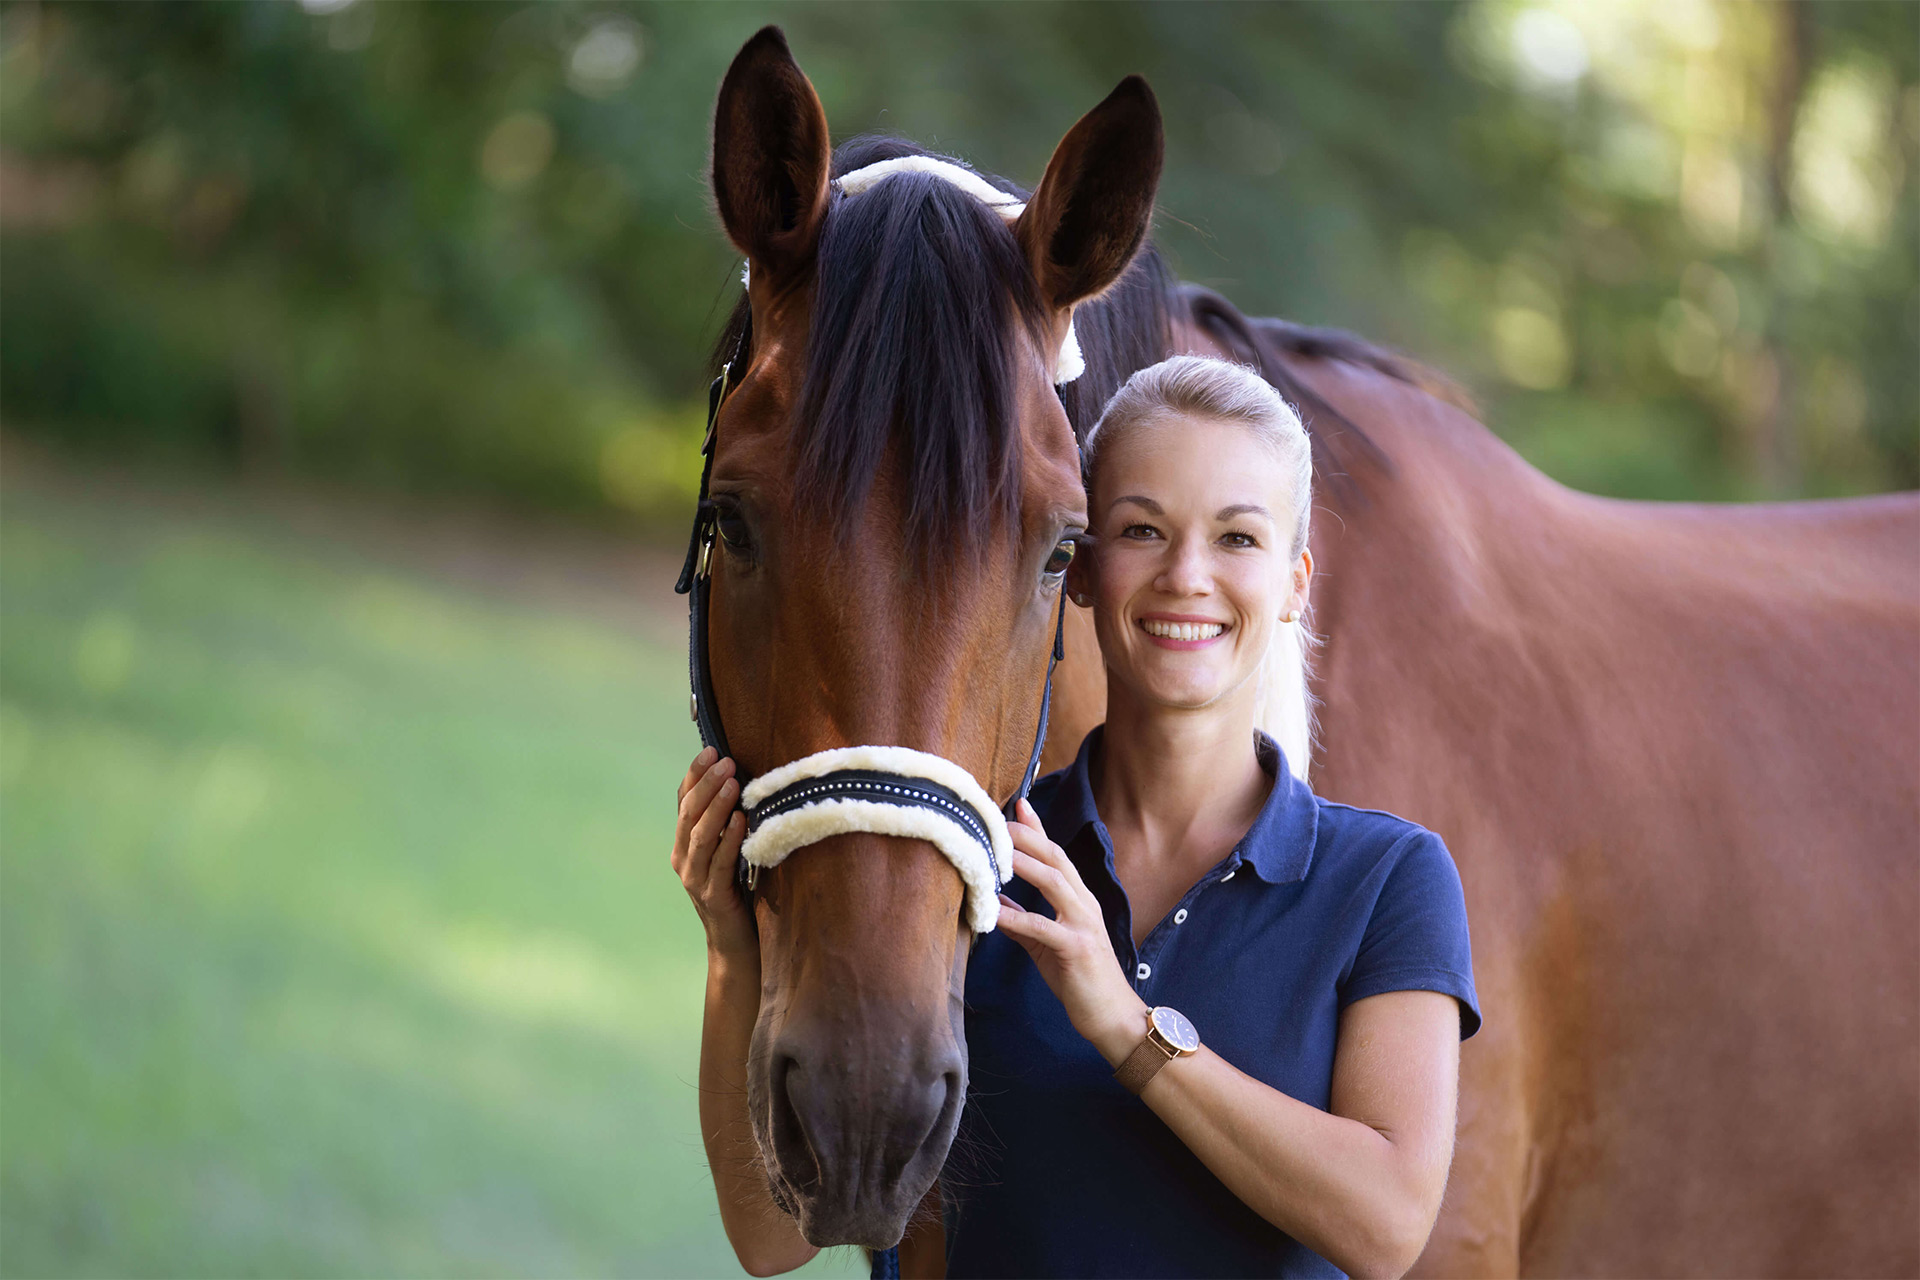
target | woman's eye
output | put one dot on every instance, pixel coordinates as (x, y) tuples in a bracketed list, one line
[(1062, 557), (1240, 540), (1140, 531)]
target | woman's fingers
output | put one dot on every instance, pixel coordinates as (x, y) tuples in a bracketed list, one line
[(1025, 815), (703, 840), (695, 801), (1036, 846), (701, 763), (1035, 843), (726, 857), (1072, 903), (1029, 835), (1032, 927)]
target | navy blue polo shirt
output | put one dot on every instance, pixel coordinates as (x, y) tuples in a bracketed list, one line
[(1059, 1171)]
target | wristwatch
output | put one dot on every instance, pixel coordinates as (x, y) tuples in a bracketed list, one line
[(1169, 1036)]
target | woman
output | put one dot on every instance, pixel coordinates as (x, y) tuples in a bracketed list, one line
[(1217, 1031)]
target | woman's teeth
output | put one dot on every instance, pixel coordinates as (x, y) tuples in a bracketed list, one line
[(1182, 630)]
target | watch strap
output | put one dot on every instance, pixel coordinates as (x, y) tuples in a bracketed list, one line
[(1142, 1065)]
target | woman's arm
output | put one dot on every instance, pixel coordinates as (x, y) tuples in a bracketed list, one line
[(1359, 1185), (706, 843)]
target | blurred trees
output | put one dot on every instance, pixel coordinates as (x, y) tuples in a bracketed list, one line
[(1672, 243)]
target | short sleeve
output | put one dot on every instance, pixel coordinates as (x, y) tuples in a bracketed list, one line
[(1416, 938)]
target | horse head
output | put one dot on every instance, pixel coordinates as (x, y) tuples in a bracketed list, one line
[(894, 491)]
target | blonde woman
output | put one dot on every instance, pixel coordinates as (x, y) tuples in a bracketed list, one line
[(1217, 1030)]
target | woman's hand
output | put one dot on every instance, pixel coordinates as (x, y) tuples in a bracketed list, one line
[(706, 847), (1072, 950)]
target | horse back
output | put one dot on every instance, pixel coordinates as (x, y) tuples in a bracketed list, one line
[(1675, 750)]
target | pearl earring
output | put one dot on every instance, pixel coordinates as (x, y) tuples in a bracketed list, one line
[(1080, 598), (1291, 615)]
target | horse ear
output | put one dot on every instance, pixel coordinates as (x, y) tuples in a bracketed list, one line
[(1090, 213), (770, 155)]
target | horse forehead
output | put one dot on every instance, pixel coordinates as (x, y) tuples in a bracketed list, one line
[(877, 595), (865, 577)]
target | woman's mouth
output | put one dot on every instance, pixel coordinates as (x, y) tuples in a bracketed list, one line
[(1182, 633)]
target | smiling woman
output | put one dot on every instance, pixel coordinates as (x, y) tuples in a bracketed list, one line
[(1179, 1069), (1200, 398)]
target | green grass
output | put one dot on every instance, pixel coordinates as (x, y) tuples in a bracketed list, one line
[(337, 934)]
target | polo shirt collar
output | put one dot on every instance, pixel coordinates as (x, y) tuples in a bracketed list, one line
[(1278, 846)]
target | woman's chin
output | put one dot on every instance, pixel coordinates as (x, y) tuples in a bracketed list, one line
[(1185, 695)]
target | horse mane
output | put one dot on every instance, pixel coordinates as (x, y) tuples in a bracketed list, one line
[(909, 351)]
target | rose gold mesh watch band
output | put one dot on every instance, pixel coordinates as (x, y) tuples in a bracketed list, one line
[(1142, 1065)]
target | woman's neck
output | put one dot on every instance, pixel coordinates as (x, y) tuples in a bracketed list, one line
[(1176, 784)]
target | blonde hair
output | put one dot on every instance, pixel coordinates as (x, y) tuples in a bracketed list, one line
[(1195, 386)]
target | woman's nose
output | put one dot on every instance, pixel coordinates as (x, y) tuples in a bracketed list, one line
[(1185, 571)]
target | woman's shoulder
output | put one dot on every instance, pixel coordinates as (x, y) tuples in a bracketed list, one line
[(1351, 841), (1403, 876), (1361, 826)]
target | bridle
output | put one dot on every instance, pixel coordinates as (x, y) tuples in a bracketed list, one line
[(889, 790)]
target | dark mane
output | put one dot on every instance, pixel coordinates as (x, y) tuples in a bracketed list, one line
[(910, 351)]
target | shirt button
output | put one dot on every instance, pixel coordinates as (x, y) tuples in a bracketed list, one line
[(1144, 972), (1180, 916)]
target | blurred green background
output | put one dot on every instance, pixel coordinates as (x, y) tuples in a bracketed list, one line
[(351, 357)]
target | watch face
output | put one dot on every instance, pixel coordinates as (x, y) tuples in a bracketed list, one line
[(1175, 1029)]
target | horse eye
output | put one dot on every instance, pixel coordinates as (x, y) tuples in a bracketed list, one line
[(733, 531), (1062, 557)]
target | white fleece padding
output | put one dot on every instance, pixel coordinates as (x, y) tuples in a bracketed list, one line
[(1069, 363), (1008, 206), (780, 835)]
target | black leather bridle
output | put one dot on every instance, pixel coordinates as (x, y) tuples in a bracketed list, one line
[(873, 786)]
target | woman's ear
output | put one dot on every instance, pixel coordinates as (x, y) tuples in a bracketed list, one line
[(1300, 582)]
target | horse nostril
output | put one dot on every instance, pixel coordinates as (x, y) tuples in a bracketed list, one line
[(799, 1164), (946, 1116)]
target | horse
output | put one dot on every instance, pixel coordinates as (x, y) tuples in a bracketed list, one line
[(1672, 747)]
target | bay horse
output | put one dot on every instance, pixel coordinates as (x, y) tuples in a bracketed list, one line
[(1674, 748)]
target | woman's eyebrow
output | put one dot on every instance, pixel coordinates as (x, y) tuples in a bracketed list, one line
[(1242, 509), (1153, 508)]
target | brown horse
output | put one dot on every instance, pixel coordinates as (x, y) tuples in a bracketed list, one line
[(893, 482), (1675, 749)]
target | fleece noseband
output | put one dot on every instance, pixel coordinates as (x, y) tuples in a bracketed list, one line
[(891, 791), (885, 790)]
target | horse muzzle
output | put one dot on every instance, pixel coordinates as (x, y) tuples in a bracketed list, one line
[(856, 1140)]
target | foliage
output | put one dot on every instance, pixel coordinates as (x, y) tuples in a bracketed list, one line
[(282, 989), (469, 246)]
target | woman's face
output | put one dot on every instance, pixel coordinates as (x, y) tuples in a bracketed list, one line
[(1190, 574)]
